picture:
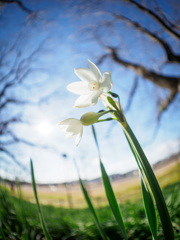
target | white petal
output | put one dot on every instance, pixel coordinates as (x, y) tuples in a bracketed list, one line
[(79, 136), (95, 96), (75, 128), (83, 101), (78, 88), (67, 121), (69, 135), (71, 125), (105, 101), (63, 127), (106, 83), (85, 74), (95, 70), (89, 99)]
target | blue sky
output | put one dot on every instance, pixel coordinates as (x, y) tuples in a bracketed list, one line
[(65, 29)]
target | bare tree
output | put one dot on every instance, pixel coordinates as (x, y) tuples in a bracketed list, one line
[(13, 73), (158, 31), (108, 33), (17, 64)]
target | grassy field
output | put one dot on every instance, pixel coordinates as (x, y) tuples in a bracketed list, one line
[(70, 195), (19, 218)]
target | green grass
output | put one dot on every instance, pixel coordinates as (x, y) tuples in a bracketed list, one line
[(20, 220), (124, 190)]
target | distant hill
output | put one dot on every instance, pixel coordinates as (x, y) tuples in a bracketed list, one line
[(113, 177), (159, 164)]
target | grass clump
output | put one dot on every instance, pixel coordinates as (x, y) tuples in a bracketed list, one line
[(19, 219)]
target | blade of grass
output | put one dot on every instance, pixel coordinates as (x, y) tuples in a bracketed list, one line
[(92, 209), (109, 192), (112, 200), (2, 232), (90, 205), (152, 181), (22, 212), (43, 224)]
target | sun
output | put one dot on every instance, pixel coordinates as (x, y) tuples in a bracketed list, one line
[(44, 128)]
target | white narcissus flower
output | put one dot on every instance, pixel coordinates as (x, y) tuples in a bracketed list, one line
[(74, 127), (92, 85)]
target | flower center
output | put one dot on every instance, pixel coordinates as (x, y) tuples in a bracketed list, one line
[(93, 86)]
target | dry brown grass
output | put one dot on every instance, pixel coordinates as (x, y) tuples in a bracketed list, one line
[(125, 189)]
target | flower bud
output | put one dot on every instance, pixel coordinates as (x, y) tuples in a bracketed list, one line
[(90, 118)]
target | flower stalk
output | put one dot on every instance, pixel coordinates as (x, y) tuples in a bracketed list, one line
[(146, 169), (94, 86)]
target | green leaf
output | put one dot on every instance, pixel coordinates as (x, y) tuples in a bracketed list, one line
[(114, 94), (43, 224), (113, 104), (146, 170), (147, 198), (109, 191), (149, 209), (112, 200), (91, 208), (95, 138)]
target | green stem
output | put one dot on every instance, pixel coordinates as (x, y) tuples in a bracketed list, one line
[(145, 167), (155, 188), (104, 120)]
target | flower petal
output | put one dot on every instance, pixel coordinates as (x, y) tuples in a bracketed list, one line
[(69, 135), (79, 136), (95, 70), (74, 128), (106, 83), (85, 74), (83, 101), (67, 121), (71, 125), (89, 99), (78, 88), (96, 95)]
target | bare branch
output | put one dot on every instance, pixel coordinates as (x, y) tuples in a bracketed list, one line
[(12, 69), (169, 22), (16, 139), (101, 59), (9, 154), (168, 82), (19, 3), (4, 124), (131, 95), (11, 100), (171, 56), (156, 17), (18, 78), (167, 102)]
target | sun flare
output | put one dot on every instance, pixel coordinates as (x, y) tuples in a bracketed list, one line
[(44, 128)]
